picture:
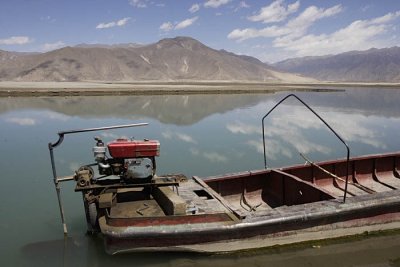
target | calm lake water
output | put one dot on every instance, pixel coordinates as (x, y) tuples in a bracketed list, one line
[(199, 135)]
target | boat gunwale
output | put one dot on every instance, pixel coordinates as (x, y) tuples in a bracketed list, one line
[(241, 174)]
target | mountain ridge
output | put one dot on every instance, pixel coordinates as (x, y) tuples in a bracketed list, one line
[(170, 59), (372, 65)]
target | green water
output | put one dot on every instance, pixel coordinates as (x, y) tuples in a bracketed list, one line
[(199, 135)]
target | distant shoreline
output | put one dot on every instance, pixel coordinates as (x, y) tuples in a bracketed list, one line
[(14, 89)]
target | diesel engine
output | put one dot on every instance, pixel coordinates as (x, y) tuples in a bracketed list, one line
[(132, 160)]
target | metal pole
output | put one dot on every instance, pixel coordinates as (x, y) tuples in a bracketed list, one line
[(58, 189), (53, 165), (326, 124)]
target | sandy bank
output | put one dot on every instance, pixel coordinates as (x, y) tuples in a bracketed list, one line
[(151, 87)]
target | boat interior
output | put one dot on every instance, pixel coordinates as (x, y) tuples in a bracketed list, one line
[(216, 197), (271, 188)]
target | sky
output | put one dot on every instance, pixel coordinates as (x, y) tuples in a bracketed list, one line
[(268, 30)]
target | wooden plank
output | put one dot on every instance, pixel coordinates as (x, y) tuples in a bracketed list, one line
[(235, 215)]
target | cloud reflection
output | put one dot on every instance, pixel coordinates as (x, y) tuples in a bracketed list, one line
[(22, 121), (179, 136), (113, 136), (355, 129), (273, 148), (211, 156), (295, 128), (215, 157), (243, 128), (33, 117)]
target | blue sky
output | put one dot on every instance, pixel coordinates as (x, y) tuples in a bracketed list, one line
[(268, 30)]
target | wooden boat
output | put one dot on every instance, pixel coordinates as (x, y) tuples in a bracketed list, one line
[(136, 210)]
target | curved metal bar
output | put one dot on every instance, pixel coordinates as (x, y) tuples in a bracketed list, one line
[(321, 119), (61, 134), (53, 165)]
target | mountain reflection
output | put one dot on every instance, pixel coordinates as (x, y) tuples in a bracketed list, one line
[(171, 109), (190, 109)]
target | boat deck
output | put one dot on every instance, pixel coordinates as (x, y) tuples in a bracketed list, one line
[(138, 208), (132, 205)]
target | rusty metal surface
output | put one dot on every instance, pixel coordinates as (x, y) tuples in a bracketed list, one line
[(134, 209), (373, 173), (281, 203), (359, 212), (159, 222), (326, 211)]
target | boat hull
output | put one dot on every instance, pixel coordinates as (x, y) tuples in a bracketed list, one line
[(287, 225), (253, 209)]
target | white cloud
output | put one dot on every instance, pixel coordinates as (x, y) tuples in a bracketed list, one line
[(117, 23), (293, 37), (216, 3), (359, 35), (242, 4), (16, 40), (275, 12), (249, 33), (309, 16), (365, 8), (52, 46), (138, 3), (194, 8), (185, 23), (123, 21), (168, 26), (294, 28), (105, 25)]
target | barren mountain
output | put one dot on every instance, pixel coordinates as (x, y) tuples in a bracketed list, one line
[(373, 65), (180, 58)]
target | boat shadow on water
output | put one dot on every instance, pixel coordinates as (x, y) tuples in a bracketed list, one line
[(363, 250), (87, 250)]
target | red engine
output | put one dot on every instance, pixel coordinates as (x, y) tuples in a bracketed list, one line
[(132, 160), (124, 148)]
